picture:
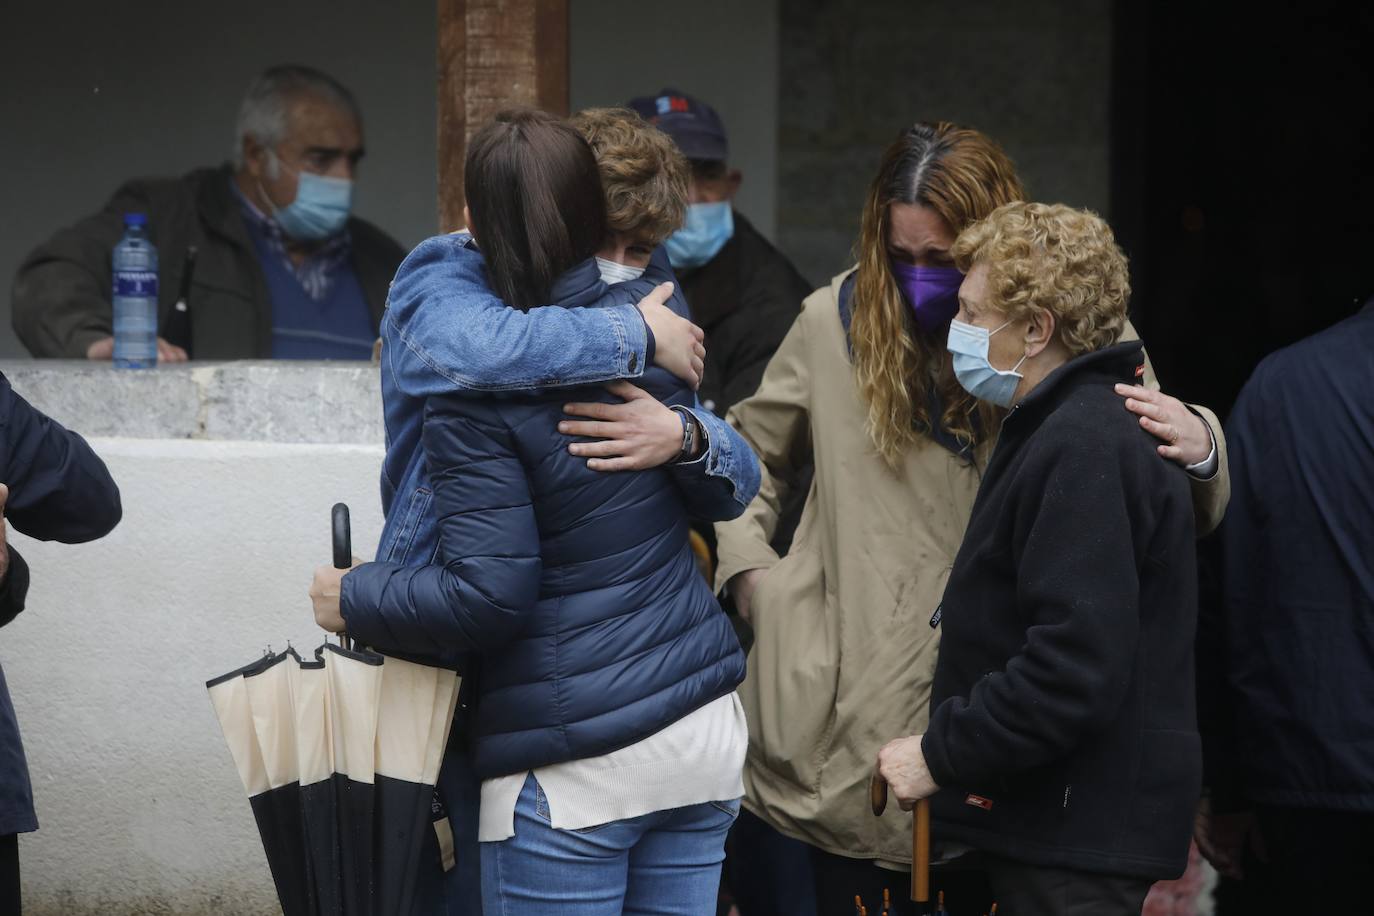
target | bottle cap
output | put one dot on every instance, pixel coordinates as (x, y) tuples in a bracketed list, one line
[(135, 219)]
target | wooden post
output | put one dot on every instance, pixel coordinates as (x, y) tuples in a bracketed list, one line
[(493, 54)]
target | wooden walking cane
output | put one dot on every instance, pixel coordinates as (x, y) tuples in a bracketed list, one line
[(920, 837), (920, 852)]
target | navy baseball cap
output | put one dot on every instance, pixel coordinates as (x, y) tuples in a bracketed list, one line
[(694, 126)]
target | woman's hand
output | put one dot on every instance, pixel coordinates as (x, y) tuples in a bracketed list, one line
[(1187, 438), (902, 765), (639, 434), (742, 586), (678, 344), (324, 595)]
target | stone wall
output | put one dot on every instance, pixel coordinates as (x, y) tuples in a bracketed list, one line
[(227, 475), (1034, 76)]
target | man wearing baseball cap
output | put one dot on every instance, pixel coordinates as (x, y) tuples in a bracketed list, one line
[(744, 294), (741, 290)]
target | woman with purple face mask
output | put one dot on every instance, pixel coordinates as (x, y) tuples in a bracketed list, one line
[(847, 624)]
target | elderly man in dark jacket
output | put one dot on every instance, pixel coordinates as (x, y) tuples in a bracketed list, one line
[(1286, 649), (281, 269), (1062, 734), (742, 291), (54, 488), (745, 294)]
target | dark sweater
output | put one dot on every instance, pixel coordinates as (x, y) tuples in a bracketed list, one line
[(1063, 726)]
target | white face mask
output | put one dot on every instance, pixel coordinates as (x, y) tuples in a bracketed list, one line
[(613, 272)]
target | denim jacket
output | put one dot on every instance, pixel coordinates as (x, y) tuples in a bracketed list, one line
[(446, 332)]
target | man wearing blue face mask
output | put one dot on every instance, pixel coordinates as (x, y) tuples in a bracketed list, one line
[(742, 291), (280, 269), (745, 294)]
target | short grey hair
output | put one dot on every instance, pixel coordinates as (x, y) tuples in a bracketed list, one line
[(263, 114)]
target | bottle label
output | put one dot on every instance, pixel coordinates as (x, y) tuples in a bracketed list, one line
[(135, 283)]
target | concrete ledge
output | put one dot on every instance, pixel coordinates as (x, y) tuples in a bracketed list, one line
[(255, 401), (96, 400)]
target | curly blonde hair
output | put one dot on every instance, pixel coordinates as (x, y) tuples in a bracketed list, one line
[(1052, 258), (963, 175), (644, 174)]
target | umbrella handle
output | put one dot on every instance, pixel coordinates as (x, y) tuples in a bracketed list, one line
[(920, 852), (343, 536), (343, 546)]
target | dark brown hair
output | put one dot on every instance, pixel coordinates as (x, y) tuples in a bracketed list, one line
[(535, 199), (963, 175)]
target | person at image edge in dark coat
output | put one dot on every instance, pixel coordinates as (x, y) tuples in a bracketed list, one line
[(53, 488)]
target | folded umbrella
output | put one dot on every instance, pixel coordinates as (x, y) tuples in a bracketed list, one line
[(339, 755), (267, 771)]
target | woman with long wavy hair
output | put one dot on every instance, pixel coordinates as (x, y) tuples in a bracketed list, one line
[(847, 624)]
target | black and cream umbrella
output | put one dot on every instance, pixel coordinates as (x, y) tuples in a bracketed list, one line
[(339, 755)]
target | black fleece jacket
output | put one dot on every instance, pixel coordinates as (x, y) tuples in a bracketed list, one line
[(1063, 723)]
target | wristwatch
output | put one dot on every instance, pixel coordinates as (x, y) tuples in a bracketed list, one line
[(693, 437)]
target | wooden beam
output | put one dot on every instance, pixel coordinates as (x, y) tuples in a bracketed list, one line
[(493, 54)]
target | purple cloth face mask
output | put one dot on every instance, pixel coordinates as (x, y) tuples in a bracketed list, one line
[(932, 293)]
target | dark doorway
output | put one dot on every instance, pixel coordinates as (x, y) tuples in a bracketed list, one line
[(1242, 179)]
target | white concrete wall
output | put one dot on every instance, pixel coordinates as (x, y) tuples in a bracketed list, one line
[(140, 807)]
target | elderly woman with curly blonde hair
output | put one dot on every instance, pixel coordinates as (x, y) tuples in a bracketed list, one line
[(1062, 742), (846, 624)]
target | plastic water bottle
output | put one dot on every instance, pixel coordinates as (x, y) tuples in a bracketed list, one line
[(135, 296)]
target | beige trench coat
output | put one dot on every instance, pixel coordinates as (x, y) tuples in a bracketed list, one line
[(844, 652)]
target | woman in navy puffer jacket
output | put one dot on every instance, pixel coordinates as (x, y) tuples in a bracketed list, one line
[(607, 732)]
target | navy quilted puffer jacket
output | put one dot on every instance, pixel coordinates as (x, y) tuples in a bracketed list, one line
[(577, 589)]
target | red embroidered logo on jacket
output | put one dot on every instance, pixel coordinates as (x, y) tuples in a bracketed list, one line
[(979, 801)]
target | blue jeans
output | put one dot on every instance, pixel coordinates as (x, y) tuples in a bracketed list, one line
[(666, 863)]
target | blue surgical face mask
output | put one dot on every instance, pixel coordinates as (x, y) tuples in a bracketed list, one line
[(613, 272), (969, 345), (708, 228), (320, 209)]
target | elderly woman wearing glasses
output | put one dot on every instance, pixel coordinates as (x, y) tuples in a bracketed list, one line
[(1062, 743)]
